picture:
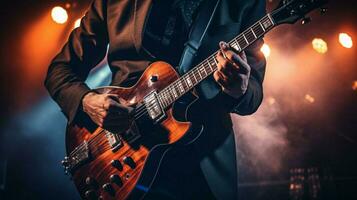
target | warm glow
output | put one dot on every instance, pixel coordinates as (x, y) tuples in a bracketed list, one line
[(77, 23), (59, 15), (309, 98), (266, 50), (354, 85), (39, 43), (319, 45), (346, 40)]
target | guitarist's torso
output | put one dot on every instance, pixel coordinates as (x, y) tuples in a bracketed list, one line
[(129, 31)]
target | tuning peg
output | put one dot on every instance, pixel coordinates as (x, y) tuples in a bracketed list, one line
[(306, 20), (64, 162), (323, 10)]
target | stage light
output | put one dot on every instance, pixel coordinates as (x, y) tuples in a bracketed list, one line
[(59, 15), (354, 85), (266, 50), (345, 40), (319, 45), (309, 98), (77, 23)]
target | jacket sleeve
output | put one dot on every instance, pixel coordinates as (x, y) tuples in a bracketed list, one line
[(253, 97), (85, 48)]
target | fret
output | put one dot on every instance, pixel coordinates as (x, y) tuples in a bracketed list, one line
[(184, 84), (267, 22), (202, 70), (235, 45), (194, 74), (205, 69), (215, 62), (174, 92), (250, 37), (166, 98), (245, 38), (161, 102), (181, 88), (188, 81), (199, 73), (238, 46), (258, 30), (255, 36), (170, 98), (242, 43), (210, 66), (194, 81), (271, 20), (161, 99), (261, 26)]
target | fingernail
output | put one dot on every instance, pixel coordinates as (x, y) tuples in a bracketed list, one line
[(223, 45)]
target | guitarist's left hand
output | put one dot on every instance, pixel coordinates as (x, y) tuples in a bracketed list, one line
[(233, 71)]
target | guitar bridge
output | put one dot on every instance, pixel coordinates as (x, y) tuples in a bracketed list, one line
[(76, 158), (114, 140)]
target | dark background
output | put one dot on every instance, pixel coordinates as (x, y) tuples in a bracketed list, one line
[(287, 132)]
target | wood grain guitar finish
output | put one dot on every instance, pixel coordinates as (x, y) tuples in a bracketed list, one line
[(114, 174)]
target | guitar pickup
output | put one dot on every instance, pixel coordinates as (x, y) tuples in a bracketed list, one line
[(114, 140), (153, 107)]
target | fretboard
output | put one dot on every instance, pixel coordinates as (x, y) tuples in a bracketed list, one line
[(201, 71)]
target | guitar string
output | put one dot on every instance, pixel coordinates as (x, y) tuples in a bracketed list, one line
[(141, 110), (92, 140), (95, 139), (240, 37)]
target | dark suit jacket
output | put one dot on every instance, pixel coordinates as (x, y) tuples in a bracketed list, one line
[(121, 24)]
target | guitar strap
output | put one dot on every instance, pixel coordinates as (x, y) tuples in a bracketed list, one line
[(197, 33)]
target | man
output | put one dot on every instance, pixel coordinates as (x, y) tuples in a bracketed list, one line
[(139, 32)]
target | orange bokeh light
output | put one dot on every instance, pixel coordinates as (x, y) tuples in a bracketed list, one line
[(319, 45), (354, 85), (77, 23), (266, 50), (40, 43), (345, 40), (59, 15)]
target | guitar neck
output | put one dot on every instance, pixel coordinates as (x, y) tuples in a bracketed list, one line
[(201, 71)]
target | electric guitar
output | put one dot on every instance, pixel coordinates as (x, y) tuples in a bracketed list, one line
[(106, 165)]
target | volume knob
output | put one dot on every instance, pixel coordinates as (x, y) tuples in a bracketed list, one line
[(91, 182), (129, 161), (109, 188), (116, 179), (90, 194), (117, 164)]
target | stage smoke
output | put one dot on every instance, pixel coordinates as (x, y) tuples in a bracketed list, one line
[(261, 140)]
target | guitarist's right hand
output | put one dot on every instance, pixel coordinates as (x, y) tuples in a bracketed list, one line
[(106, 111)]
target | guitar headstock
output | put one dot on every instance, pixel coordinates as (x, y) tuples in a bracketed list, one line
[(290, 11)]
